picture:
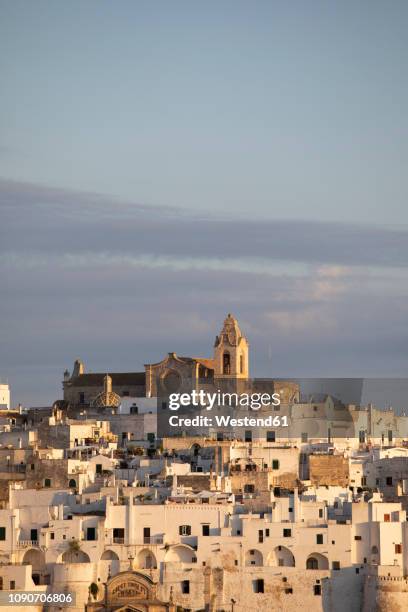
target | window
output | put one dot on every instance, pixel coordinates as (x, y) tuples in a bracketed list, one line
[(98, 468), (361, 437), (390, 435), (267, 533), (304, 437), (146, 535), (312, 564), (259, 585), (241, 364), (206, 530), (317, 589), (52, 535), (336, 565), (47, 482), (287, 533), (249, 488), (357, 537), (72, 483), (363, 481), (275, 464), (320, 512), (12, 585), (1, 583), (319, 538), (388, 481), (248, 436), (398, 549), (288, 591), (2, 533), (118, 535), (185, 587), (270, 436), (260, 536), (386, 518), (34, 535), (91, 533), (32, 466), (226, 363), (185, 530), (82, 397)]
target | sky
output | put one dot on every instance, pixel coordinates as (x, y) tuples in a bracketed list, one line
[(162, 164)]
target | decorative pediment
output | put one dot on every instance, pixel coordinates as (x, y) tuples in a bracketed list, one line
[(130, 586)]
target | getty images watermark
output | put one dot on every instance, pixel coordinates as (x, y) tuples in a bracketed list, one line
[(206, 400)]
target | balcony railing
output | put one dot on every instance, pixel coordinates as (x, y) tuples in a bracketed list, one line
[(153, 540), (27, 544)]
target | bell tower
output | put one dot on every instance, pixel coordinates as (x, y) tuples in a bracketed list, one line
[(231, 354)]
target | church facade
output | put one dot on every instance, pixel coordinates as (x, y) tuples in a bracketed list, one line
[(227, 369)]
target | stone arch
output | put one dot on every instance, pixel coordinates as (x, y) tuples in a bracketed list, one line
[(181, 553), (254, 557), (146, 559), (75, 556), (281, 557), (111, 559), (109, 555), (35, 558), (317, 561)]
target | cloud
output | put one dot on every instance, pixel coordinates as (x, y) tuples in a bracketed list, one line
[(121, 284)]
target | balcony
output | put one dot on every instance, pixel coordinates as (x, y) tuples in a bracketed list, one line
[(27, 544), (153, 540)]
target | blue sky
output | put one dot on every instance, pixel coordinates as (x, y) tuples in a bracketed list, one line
[(273, 109), (162, 164)]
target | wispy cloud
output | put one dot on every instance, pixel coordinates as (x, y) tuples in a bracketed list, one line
[(120, 284)]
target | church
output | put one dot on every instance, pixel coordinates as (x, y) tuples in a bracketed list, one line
[(227, 369)]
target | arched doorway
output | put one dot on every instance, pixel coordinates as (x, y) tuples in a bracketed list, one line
[(146, 560), (110, 559), (36, 559)]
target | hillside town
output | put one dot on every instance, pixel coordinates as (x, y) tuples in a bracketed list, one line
[(97, 500)]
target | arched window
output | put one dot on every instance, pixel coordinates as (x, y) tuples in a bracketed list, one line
[(241, 364), (226, 363), (312, 563), (72, 483)]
